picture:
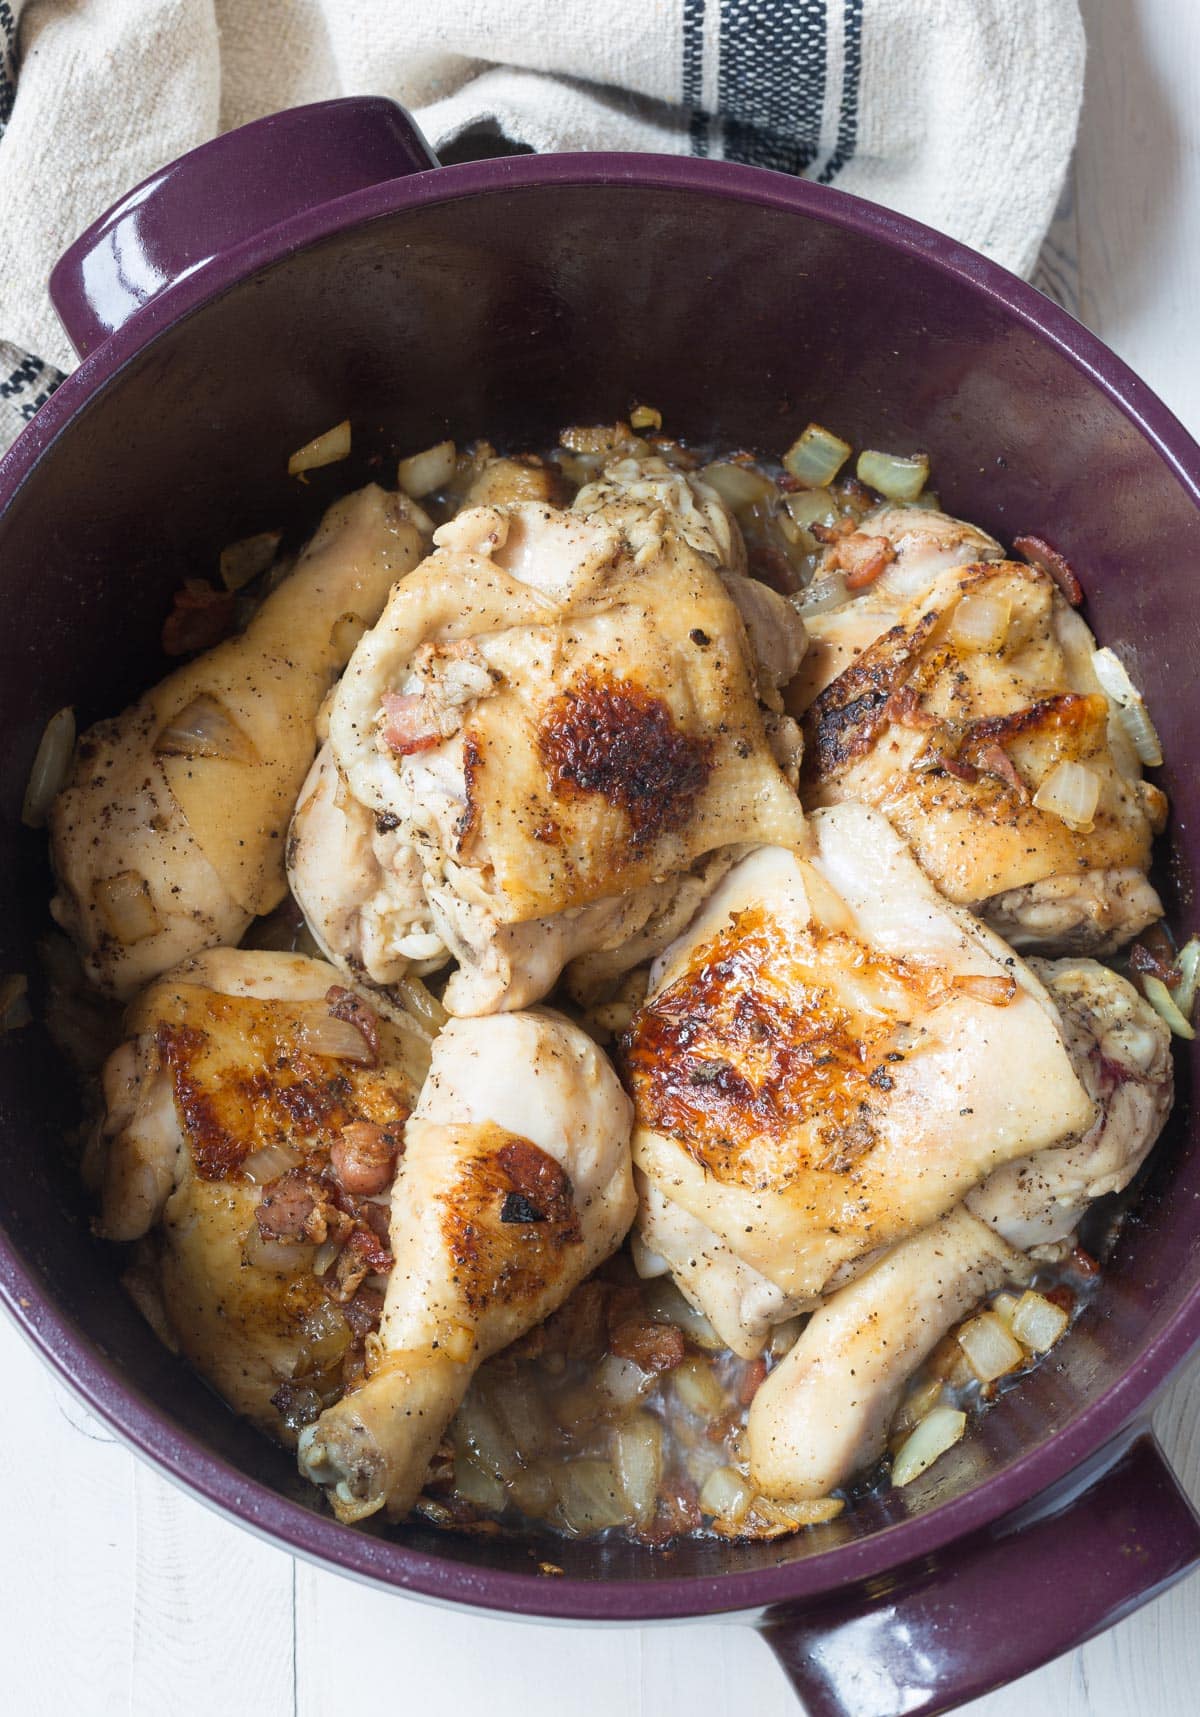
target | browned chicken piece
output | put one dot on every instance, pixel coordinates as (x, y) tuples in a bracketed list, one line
[(832, 1056), (253, 1120), (169, 837), (556, 718), (516, 1183), (976, 724)]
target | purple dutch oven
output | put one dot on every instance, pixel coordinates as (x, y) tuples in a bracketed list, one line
[(313, 267)]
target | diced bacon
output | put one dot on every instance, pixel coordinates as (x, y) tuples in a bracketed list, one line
[(343, 1004), (1037, 551), (363, 1157), (655, 1347), (407, 727)]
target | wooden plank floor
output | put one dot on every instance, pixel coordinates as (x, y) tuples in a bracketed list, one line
[(123, 1598)]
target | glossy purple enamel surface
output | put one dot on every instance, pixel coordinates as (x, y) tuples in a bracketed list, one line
[(507, 298)]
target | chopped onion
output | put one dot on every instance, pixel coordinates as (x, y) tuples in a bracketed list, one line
[(981, 622), (14, 1002), (1188, 961), (823, 594), (665, 1303), (698, 1389), (1004, 1305), (269, 1163), (895, 477), (327, 1253), (1163, 1003), (244, 560), (419, 1000), (1071, 792), (324, 449), (639, 1458), (645, 417), (327, 1335), (816, 457), (726, 1494), (809, 507), (989, 1347), (205, 728), (126, 907), (590, 1496), (739, 486), (51, 767), (523, 1411), (915, 1406), (785, 1336), (483, 1489), (1131, 706), (793, 1514), (284, 1257), (619, 1382), (322, 1034), (479, 1434), (938, 1431), (422, 473), (1038, 1322)]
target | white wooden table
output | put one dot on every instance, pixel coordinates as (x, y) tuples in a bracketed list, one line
[(121, 1597)]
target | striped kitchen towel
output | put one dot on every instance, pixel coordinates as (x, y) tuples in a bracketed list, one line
[(960, 112)]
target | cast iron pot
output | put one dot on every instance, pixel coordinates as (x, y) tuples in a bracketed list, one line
[(314, 266)]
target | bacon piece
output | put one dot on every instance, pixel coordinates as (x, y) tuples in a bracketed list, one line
[(345, 1005), (300, 1205), (363, 1157), (363, 1312), (903, 708), (862, 558), (992, 759), (1037, 551), (407, 728), (656, 1347), (1153, 953), (201, 616), (363, 1255), (538, 1181)]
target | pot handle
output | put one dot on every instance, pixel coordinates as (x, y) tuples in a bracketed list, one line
[(212, 199), (1000, 1603)]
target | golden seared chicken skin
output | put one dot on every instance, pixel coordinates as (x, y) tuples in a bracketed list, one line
[(253, 1120), (515, 1184), (557, 717), (976, 724), (832, 1056), (169, 835)]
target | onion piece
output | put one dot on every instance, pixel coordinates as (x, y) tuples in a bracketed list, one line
[(1184, 992), (981, 622), (51, 767), (938, 1431), (697, 1388), (726, 1494), (816, 457), (243, 560), (590, 1496), (639, 1459), (916, 1404), (321, 1033), (739, 486), (327, 1253), (324, 449), (822, 595), (1131, 706), (1163, 1003), (1071, 792), (645, 417), (419, 1000), (127, 908), (482, 1489), (269, 1163), (1004, 1305), (665, 1303), (794, 1514), (896, 477), (785, 1336), (15, 1011), (283, 1257), (989, 1347), (422, 473), (205, 728), (1038, 1322), (327, 1335)]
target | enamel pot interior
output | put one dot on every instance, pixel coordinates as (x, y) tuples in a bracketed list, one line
[(508, 312)]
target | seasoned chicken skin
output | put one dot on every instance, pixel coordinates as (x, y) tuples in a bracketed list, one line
[(556, 718), (516, 1182), (169, 837), (234, 1060), (822, 1415), (953, 719), (832, 1056)]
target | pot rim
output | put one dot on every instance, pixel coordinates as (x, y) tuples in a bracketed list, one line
[(145, 1426)]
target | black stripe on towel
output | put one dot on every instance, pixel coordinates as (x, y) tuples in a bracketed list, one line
[(8, 62), (771, 81), (847, 137), (693, 75)]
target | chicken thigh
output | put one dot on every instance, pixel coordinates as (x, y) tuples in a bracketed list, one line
[(975, 722), (169, 836), (832, 1056), (556, 718), (516, 1183), (252, 1116)]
